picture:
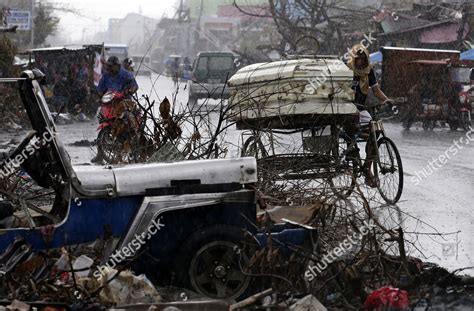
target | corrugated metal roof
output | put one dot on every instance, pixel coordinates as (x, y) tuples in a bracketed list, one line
[(419, 50), (421, 27)]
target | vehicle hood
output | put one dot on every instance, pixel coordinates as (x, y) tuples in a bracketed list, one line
[(139, 179)]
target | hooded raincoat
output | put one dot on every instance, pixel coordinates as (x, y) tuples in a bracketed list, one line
[(363, 78)]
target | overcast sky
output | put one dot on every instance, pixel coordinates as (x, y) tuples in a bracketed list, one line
[(100, 11)]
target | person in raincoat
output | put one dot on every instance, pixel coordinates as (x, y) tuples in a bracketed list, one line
[(363, 80)]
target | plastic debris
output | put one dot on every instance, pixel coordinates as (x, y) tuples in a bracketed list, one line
[(391, 297), (308, 303), (127, 288), (81, 263)]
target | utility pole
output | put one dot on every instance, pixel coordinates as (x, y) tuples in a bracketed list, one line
[(180, 18), (32, 24)]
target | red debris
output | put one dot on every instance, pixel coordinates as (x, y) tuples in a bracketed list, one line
[(387, 297)]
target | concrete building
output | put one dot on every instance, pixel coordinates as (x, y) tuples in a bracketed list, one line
[(135, 30), (393, 4), (211, 7)]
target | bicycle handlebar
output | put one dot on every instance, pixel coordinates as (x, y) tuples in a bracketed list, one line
[(393, 107)]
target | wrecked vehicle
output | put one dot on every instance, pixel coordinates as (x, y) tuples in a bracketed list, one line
[(183, 222)]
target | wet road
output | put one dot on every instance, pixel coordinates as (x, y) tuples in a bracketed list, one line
[(437, 198), (442, 195)]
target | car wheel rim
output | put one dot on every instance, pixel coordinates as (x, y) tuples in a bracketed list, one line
[(215, 271)]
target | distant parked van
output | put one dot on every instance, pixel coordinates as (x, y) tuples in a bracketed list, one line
[(119, 50), (142, 65), (209, 76)]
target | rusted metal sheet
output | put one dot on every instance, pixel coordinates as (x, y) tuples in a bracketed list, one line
[(398, 76), (442, 34)]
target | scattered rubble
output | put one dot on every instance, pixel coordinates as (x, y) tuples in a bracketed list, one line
[(83, 143), (62, 118), (308, 303)]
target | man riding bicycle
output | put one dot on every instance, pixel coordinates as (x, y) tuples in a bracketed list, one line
[(364, 78)]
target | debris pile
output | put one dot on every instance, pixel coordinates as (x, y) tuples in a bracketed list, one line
[(13, 118), (356, 259), (59, 277)]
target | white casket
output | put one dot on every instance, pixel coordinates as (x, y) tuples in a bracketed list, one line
[(287, 94)]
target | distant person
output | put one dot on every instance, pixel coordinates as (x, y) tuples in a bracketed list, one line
[(175, 70), (61, 92), (187, 64), (187, 68), (128, 64)]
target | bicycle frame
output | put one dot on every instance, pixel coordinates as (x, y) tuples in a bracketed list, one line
[(376, 130)]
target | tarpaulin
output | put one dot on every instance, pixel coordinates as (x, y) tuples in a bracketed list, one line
[(468, 55), (376, 57)]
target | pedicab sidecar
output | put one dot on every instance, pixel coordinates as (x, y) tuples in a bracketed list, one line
[(199, 209), (292, 113)]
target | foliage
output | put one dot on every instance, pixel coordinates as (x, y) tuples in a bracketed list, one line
[(3, 15), (45, 23), (310, 26), (7, 53)]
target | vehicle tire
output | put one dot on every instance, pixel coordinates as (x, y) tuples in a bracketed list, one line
[(427, 125), (192, 98), (407, 123), (107, 146), (465, 121), (467, 126), (192, 102), (210, 263), (389, 171), (453, 124)]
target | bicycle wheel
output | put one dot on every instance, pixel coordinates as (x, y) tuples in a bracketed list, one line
[(344, 179), (253, 148), (389, 171)]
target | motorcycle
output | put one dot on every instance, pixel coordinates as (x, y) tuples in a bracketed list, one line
[(465, 111), (119, 124)]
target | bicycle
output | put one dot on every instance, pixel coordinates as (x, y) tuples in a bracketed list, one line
[(386, 165)]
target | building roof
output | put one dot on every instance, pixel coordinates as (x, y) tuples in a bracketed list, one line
[(395, 22), (232, 11), (419, 50)]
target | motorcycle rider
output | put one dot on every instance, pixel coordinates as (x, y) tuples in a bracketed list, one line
[(116, 79)]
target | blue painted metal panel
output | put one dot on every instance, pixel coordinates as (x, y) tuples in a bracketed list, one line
[(283, 239), (467, 55), (85, 223)]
